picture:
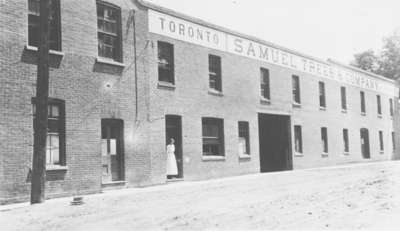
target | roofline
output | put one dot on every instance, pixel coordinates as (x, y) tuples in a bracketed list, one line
[(361, 71), (152, 6)]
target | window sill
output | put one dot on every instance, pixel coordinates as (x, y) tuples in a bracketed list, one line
[(324, 154), (212, 158), (165, 85), (322, 108), (298, 154), (379, 116), (244, 156), (265, 101), (215, 92), (56, 168), (109, 62), (344, 111), (51, 52), (346, 153), (363, 113), (296, 105)]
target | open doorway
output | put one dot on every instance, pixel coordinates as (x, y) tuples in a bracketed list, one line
[(112, 150), (275, 142), (365, 143), (173, 129)]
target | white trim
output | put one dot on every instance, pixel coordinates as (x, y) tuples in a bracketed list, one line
[(51, 52), (109, 62)]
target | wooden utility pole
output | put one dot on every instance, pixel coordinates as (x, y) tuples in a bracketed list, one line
[(42, 94)]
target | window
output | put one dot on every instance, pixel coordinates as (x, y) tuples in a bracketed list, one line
[(324, 139), (109, 31), (322, 101), (214, 68), (378, 103), (381, 147), (344, 98), (393, 141), (296, 89), (346, 140), (213, 137), (391, 106), (362, 97), (54, 24), (166, 62), (265, 93), (55, 144), (244, 138), (298, 140)]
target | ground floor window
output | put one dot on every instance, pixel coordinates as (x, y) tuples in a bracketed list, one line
[(213, 137), (324, 140), (381, 147), (298, 139), (244, 138), (55, 143), (346, 140)]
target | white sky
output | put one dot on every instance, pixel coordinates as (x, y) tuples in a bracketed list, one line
[(322, 28)]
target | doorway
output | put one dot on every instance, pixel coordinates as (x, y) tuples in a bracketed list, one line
[(365, 143), (275, 142), (112, 150), (173, 129)]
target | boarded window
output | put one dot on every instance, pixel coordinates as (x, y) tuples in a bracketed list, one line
[(166, 62)]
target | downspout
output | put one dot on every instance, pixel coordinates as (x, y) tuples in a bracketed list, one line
[(135, 63)]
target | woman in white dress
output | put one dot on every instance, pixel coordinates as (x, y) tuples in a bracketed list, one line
[(172, 169)]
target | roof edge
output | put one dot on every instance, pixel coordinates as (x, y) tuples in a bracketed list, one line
[(155, 7), (361, 70)]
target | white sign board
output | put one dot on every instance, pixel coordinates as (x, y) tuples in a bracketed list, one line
[(183, 30)]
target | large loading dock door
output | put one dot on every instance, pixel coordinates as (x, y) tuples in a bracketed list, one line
[(275, 142)]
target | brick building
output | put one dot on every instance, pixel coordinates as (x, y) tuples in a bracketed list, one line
[(126, 76)]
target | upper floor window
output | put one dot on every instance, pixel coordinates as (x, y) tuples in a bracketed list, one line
[(166, 62), (214, 68), (55, 144), (54, 24), (109, 31), (244, 138), (213, 137), (381, 146), (343, 98), (264, 83), (378, 104), (391, 107), (296, 89), (362, 99), (322, 100)]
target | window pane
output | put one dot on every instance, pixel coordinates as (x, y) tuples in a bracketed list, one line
[(165, 62), (109, 36), (214, 68)]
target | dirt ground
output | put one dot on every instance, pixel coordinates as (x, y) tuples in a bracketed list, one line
[(363, 196)]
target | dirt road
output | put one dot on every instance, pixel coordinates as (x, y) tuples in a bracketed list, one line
[(363, 196)]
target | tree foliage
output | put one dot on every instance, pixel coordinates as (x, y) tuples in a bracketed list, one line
[(386, 62)]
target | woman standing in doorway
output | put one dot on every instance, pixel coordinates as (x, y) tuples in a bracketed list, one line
[(172, 169)]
